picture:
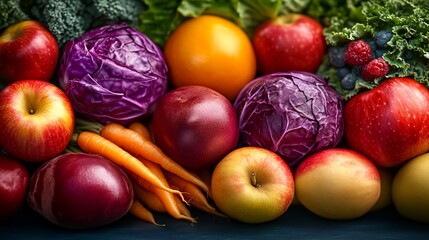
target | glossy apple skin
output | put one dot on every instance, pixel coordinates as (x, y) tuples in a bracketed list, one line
[(196, 126), (80, 191), (14, 178), (390, 123), (37, 120), (386, 179), (410, 189), (337, 184), (27, 51), (291, 42), (236, 196)]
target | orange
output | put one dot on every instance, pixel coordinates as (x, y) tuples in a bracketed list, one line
[(210, 51)]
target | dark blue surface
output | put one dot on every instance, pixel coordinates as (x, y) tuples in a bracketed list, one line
[(296, 223)]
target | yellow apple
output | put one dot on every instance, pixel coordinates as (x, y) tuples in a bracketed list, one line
[(386, 178), (252, 185), (337, 184), (410, 189)]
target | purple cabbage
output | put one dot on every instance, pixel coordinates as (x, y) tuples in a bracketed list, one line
[(113, 73), (292, 114)]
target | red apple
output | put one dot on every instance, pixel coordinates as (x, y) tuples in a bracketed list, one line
[(289, 42), (390, 123), (28, 50), (14, 178), (37, 120), (196, 126), (252, 185), (337, 184)]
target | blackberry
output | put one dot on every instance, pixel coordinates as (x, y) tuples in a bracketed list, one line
[(348, 81), (358, 53), (336, 56), (382, 37)]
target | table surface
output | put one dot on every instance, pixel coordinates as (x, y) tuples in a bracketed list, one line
[(296, 223)]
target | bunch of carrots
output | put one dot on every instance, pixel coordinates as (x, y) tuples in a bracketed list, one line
[(160, 184)]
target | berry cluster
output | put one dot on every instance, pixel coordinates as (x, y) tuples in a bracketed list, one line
[(360, 59)]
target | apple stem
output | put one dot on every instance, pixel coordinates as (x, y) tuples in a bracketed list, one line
[(31, 111), (253, 179)]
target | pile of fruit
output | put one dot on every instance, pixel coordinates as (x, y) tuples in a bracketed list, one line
[(237, 123)]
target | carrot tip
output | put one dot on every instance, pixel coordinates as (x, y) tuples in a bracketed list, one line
[(159, 224), (181, 196)]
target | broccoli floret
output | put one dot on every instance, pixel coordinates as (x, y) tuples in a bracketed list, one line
[(66, 19), (11, 12), (119, 10)]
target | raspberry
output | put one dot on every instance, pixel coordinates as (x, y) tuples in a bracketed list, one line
[(374, 69), (358, 53)]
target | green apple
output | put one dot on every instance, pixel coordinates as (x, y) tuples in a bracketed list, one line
[(410, 189), (252, 185)]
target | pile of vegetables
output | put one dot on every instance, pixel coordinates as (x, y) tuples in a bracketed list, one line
[(113, 71), (159, 182), (407, 51)]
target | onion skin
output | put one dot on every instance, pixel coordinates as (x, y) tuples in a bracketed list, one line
[(196, 126), (80, 191)]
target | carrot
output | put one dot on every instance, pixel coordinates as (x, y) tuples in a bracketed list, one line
[(193, 194), (145, 133), (141, 129), (132, 142), (141, 212), (183, 209), (148, 198), (167, 199), (206, 176), (94, 143)]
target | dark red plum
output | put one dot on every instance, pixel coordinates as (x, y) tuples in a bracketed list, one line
[(14, 178), (80, 191), (196, 126)]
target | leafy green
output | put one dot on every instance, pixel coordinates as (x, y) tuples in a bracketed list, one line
[(11, 11), (161, 17), (408, 50), (345, 10), (68, 19), (118, 10)]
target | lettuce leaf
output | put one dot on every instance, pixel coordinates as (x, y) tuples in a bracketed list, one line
[(408, 50), (161, 17)]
